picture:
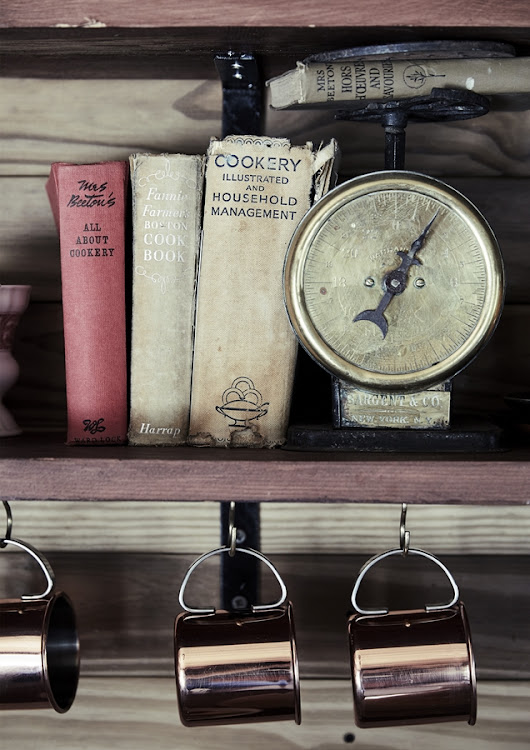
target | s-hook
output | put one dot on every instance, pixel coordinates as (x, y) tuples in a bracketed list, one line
[(232, 530), (7, 536), (404, 535), (8, 540)]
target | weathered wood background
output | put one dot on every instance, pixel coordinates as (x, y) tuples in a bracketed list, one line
[(122, 562)]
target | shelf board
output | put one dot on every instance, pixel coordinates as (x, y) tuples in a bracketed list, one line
[(162, 39), (42, 468), (223, 13), (166, 39)]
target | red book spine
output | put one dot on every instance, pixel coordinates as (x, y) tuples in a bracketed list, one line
[(88, 203)]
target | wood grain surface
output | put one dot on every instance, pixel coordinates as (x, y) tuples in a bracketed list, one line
[(45, 469), (103, 120), (98, 13), (104, 53), (285, 528), (109, 119), (134, 714)]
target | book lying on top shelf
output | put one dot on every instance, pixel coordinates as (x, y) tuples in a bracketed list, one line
[(88, 203), (357, 81), (257, 190), (166, 206)]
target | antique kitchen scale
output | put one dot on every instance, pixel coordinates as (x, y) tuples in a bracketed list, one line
[(394, 282)]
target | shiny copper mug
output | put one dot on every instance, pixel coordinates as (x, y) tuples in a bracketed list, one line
[(234, 668), (412, 666), (39, 647)]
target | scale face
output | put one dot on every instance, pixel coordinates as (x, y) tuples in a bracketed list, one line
[(393, 283)]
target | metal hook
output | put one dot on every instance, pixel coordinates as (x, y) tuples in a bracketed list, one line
[(44, 566), (7, 536), (242, 550), (35, 554), (232, 530), (428, 607), (404, 535)]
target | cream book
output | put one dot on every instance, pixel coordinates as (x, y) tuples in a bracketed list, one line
[(257, 190), (357, 81), (167, 211)]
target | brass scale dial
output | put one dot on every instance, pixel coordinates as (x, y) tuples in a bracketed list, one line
[(393, 283)]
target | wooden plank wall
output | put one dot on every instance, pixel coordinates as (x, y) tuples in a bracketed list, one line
[(122, 562)]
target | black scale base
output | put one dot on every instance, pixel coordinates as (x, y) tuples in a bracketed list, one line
[(466, 435)]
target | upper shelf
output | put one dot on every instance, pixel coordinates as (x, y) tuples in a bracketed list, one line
[(272, 28), (272, 13), (164, 39), (37, 468)]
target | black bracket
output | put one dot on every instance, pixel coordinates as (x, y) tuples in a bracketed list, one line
[(242, 115), (242, 93), (240, 575)]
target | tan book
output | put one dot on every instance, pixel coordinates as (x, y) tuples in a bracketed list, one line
[(356, 81), (257, 190), (167, 204)]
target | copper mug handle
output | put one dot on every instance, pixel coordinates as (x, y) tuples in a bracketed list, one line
[(236, 667), (389, 553), (220, 551), (35, 554), (43, 564)]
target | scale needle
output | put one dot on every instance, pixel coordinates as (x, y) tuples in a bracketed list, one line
[(395, 282)]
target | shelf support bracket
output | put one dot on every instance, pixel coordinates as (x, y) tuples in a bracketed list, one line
[(242, 93), (242, 115)]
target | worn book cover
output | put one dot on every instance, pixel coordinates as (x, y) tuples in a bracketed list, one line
[(359, 80), (167, 204), (257, 190), (88, 203)]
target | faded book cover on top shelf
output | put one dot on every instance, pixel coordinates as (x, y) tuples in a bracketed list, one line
[(357, 81), (166, 205), (88, 203), (257, 190)]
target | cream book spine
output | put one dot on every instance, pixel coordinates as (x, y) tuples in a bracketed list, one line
[(357, 81), (166, 219), (256, 191)]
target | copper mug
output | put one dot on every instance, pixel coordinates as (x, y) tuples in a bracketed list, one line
[(412, 666), (39, 647), (236, 667)]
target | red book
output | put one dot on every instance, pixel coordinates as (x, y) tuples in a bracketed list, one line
[(88, 203)]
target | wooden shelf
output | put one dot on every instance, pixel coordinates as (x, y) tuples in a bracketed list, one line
[(78, 39), (37, 468), (229, 13)]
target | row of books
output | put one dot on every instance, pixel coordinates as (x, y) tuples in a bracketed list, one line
[(208, 358)]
